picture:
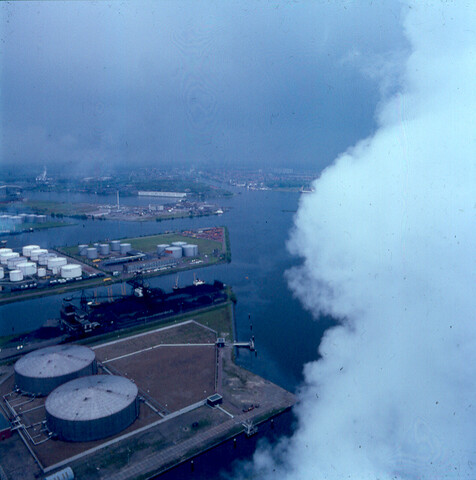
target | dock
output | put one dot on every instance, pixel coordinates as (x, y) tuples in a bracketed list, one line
[(175, 424)]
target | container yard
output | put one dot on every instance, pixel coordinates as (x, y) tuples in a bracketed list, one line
[(166, 395)]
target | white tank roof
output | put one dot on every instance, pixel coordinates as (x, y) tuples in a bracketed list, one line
[(70, 267), (90, 398), (56, 262), (26, 250), (54, 361)]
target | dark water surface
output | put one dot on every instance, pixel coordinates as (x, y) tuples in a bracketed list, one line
[(259, 223)]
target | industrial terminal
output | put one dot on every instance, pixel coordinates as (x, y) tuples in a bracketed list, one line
[(118, 409), (31, 268)]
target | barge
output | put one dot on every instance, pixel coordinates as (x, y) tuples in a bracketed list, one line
[(144, 304)]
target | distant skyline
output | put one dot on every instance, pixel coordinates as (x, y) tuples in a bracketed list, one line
[(87, 85)]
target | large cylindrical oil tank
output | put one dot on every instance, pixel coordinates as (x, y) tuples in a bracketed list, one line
[(190, 250), (104, 249), (26, 250), (82, 250), (91, 408), (16, 219), (174, 252), (5, 250), (27, 268), (4, 257), (31, 218), (44, 257), (14, 261), (71, 271), (179, 244), (92, 253), (41, 272), (41, 218), (16, 276), (116, 245), (41, 371), (35, 254), (161, 248), (23, 217), (125, 248), (56, 262)]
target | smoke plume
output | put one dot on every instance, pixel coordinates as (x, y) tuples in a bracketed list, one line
[(388, 242)]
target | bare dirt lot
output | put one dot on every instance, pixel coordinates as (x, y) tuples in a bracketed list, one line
[(173, 376)]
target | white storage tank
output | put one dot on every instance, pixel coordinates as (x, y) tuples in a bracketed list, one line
[(26, 250), (31, 218), (125, 248), (56, 262), (116, 245), (43, 258), (161, 248), (92, 253), (2, 273), (23, 217), (41, 272), (41, 218), (104, 248), (71, 271), (82, 250), (27, 268), (91, 408), (4, 257), (14, 261), (174, 252), (16, 219), (5, 250), (16, 276), (41, 371), (190, 250), (179, 244), (35, 254)]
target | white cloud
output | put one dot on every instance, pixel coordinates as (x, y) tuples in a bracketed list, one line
[(388, 243)]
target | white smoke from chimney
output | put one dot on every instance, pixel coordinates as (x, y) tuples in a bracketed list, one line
[(388, 242)]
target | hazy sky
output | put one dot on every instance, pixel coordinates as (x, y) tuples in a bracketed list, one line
[(227, 83)]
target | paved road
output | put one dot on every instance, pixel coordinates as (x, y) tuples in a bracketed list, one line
[(175, 453)]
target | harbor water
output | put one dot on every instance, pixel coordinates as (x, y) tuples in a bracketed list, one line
[(259, 222)]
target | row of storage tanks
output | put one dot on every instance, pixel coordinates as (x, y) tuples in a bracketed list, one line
[(104, 249), (177, 250), (174, 250), (81, 406), (35, 261), (23, 218)]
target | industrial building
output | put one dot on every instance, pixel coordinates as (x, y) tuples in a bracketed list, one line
[(41, 371), (92, 407), (149, 265)]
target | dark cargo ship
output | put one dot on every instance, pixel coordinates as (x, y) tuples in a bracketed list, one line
[(143, 305)]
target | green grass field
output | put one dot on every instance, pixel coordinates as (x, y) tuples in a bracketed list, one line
[(149, 244)]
